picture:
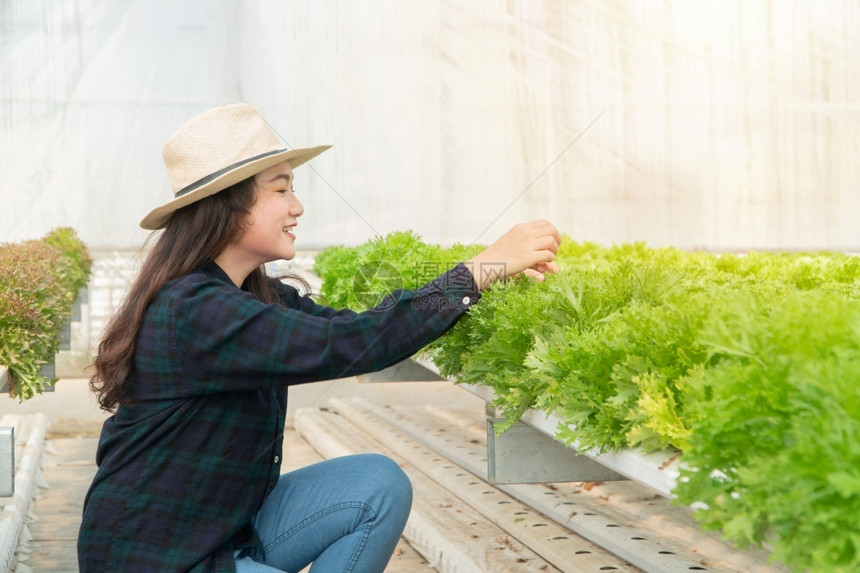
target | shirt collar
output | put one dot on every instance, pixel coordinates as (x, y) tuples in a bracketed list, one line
[(211, 268)]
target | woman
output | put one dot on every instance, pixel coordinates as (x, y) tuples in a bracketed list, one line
[(197, 361)]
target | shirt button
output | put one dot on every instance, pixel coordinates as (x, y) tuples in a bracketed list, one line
[(277, 458), (466, 300)]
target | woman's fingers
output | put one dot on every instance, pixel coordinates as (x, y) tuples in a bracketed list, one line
[(547, 267), (534, 274), (539, 271), (526, 248)]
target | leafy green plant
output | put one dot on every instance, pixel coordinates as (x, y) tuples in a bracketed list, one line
[(745, 364), (39, 281), (772, 450)]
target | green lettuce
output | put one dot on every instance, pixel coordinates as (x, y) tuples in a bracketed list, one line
[(745, 365)]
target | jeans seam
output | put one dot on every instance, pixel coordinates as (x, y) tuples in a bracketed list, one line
[(319, 515), (360, 547)]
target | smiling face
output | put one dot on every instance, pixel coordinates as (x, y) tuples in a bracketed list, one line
[(269, 226), (269, 231)]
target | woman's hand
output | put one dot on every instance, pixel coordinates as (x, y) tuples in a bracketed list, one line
[(528, 248)]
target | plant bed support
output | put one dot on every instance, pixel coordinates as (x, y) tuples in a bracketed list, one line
[(522, 454), (7, 461), (657, 471), (7, 449), (15, 508)]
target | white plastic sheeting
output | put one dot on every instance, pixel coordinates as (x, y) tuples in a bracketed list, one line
[(90, 91), (718, 124)]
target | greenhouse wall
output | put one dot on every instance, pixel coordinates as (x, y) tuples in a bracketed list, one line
[(724, 125)]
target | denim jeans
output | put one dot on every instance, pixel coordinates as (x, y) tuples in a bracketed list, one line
[(343, 514)]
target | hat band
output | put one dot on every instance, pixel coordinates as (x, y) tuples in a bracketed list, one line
[(213, 176)]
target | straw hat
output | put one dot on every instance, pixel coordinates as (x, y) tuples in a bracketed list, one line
[(217, 149)]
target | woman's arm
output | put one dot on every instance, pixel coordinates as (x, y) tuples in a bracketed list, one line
[(226, 339)]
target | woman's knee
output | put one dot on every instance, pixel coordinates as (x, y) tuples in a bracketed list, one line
[(388, 477)]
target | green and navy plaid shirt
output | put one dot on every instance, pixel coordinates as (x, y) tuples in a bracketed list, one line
[(184, 469)]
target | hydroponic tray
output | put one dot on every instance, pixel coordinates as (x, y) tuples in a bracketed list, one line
[(657, 471)]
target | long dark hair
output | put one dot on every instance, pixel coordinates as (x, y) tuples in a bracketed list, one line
[(193, 236)]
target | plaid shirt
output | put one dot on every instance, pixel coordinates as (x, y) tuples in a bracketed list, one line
[(185, 468)]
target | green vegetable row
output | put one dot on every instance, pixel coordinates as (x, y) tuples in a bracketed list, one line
[(39, 281), (748, 365)]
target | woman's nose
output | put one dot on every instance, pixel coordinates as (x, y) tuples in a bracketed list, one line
[(296, 209)]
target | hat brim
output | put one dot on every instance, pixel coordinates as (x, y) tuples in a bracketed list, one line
[(225, 178)]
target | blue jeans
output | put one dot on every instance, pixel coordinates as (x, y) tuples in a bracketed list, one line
[(343, 514)]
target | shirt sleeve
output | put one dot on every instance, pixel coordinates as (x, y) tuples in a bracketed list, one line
[(229, 340), (290, 298)]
